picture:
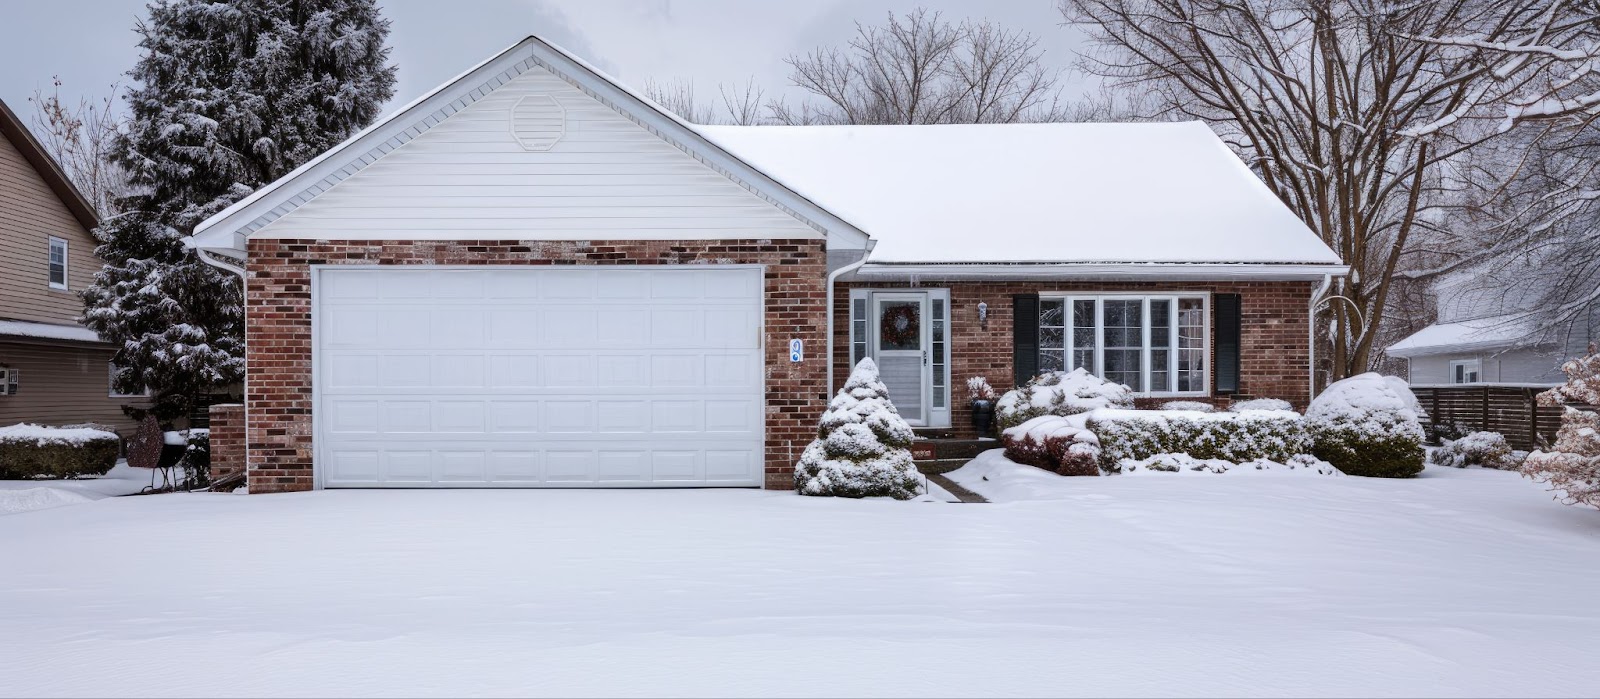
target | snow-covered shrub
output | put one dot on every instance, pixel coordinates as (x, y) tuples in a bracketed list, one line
[(978, 388), (1232, 437), (1573, 464), (1368, 425), (1186, 464), (1482, 449), (862, 447), (1053, 443), (1192, 406), (1447, 430), (1060, 393), (29, 451), (1261, 404), (196, 462)]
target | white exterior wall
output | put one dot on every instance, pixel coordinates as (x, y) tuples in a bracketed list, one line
[(1511, 366), (607, 178)]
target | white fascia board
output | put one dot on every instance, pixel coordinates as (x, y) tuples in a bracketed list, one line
[(1130, 271), (669, 127), (1452, 348)]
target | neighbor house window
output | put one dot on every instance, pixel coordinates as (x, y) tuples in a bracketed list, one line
[(58, 263), (1154, 344), (111, 380), (1465, 370)]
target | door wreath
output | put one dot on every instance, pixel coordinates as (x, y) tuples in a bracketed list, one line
[(901, 326)]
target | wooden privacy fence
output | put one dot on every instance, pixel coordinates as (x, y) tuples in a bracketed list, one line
[(1508, 409)]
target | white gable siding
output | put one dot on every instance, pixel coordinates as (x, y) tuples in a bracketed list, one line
[(605, 178)]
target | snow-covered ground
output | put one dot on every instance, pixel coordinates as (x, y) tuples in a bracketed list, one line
[(26, 496), (1456, 583)]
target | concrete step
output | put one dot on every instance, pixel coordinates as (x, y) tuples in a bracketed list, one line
[(930, 467), (928, 449)]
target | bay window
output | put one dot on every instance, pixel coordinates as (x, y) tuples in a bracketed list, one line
[(1154, 344)]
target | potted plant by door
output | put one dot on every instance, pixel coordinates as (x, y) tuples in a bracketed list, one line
[(982, 397)]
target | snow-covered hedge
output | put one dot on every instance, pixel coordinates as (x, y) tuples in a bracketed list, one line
[(1233, 437), (1368, 425), (1261, 404), (1192, 406), (30, 451), (1482, 449), (862, 447), (1060, 393), (1184, 464), (1054, 443)]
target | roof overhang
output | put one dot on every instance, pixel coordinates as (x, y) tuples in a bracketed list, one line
[(47, 333), (1099, 271), (49, 170)]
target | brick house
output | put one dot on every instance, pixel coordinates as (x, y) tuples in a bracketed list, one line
[(534, 277)]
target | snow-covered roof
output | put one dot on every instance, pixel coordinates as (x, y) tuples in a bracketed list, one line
[(1077, 193), (47, 331), (225, 232), (1468, 335)]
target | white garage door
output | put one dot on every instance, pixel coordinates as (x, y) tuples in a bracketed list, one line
[(518, 377)]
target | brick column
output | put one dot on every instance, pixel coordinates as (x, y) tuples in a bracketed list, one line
[(227, 440)]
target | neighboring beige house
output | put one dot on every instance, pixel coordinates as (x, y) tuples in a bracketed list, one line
[(55, 370)]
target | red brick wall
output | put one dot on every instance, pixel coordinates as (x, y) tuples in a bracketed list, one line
[(278, 336), (1273, 361), (227, 439)]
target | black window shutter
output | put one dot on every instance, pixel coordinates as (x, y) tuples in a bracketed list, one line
[(1025, 336), (1226, 341)]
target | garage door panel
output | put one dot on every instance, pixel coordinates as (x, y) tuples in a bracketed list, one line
[(549, 378)]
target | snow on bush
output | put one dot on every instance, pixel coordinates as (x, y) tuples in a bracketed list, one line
[(862, 447), (1054, 443), (1482, 449), (1060, 393), (978, 388), (1231, 437), (1192, 406), (30, 451), (1261, 404), (1572, 467), (1368, 425), (1185, 464)]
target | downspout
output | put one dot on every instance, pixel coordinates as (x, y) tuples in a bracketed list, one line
[(1311, 336), (244, 404), (832, 277)]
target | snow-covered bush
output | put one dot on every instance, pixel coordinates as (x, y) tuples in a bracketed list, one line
[(1368, 425), (1299, 464), (1231, 437), (1482, 449), (1573, 464), (1192, 406), (1261, 404), (1060, 393), (978, 388), (862, 447), (29, 451), (1053, 443)]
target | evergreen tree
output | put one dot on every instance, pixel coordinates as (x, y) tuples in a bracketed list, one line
[(862, 447), (229, 95), (1572, 466)]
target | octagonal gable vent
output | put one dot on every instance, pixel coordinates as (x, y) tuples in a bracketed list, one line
[(538, 122)]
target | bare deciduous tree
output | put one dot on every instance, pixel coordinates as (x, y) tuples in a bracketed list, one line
[(922, 69), (740, 104), (1530, 224), (80, 138), (1316, 96)]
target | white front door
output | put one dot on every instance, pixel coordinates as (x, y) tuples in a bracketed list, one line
[(901, 349), (625, 376)]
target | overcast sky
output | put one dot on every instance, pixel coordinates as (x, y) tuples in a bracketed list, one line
[(90, 43)]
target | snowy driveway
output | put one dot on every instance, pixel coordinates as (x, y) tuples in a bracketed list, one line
[(1457, 583)]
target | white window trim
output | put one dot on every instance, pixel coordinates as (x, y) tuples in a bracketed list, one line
[(66, 265), (1474, 366), (1067, 297), (111, 385)]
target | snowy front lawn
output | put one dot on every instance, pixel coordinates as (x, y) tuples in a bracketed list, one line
[(28, 495), (1459, 582)]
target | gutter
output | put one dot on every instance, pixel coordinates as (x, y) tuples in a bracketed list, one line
[(1125, 271), (833, 277)]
